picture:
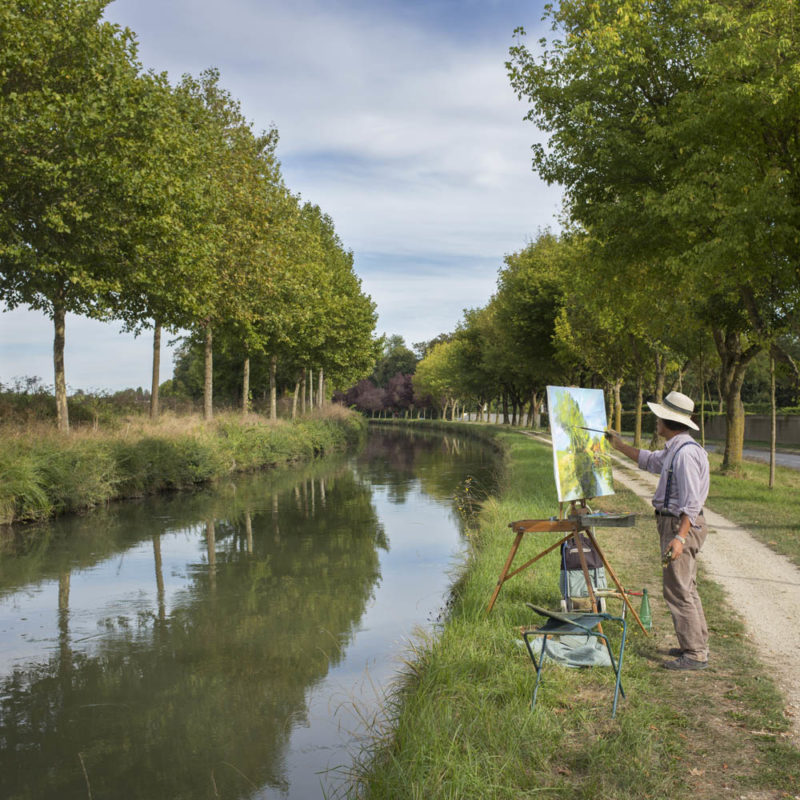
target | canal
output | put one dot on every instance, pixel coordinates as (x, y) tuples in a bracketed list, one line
[(228, 643)]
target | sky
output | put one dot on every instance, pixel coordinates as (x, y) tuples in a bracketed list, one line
[(396, 118)]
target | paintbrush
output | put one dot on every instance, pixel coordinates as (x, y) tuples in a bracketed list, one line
[(593, 430)]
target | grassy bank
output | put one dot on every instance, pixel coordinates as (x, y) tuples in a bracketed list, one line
[(770, 514), (460, 723), (43, 473)]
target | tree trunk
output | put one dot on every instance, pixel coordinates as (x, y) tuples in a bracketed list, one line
[(310, 389), (303, 391), (208, 383), (273, 388), (734, 419), (617, 406), (702, 400), (505, 409), (656, 442), (703, 417), (321, 388), (294, 398), (637, 425), (773, 425), (156, 370), (59, 317), (611, 402), (735, 358), (661, 366), (246, 387)]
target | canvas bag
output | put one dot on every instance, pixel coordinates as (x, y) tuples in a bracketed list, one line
[(575, 596)]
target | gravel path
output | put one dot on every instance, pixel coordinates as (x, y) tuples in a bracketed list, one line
[(763, 586)]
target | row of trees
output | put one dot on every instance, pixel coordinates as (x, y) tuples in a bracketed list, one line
[(674, 128), (123, 197), (541, 328)]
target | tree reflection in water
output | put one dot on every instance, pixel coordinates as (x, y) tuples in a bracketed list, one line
[(188, 684)]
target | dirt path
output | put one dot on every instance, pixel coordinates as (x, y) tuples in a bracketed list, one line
[(762, 586)]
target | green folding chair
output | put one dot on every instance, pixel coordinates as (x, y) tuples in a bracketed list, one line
[(574, 623)]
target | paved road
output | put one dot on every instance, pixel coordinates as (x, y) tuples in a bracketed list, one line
[(791, 460)]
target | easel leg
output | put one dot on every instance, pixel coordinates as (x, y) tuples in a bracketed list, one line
[(616, 581), (506, 567), (585, 568)]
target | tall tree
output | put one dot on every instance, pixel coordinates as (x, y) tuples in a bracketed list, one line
[(74, 115)]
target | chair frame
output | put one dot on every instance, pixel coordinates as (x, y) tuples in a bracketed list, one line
[(575, 623)]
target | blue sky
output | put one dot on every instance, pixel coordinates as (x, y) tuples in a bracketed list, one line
[(395, 117)]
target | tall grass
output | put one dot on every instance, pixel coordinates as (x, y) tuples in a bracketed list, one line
[(43, 473)]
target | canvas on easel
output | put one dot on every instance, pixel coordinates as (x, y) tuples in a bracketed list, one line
[(581, 453)]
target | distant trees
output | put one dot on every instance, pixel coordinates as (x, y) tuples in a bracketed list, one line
[(395, 359), (389, 389), (311, 318), (122, 197)]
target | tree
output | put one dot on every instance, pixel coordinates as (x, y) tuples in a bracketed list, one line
[(396, 358), (400, 392), (241, 172), (75, 115), (643, 102), (531, 291), (439, 376)]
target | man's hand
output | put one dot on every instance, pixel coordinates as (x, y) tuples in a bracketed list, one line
[(617, 442), (677, 548)]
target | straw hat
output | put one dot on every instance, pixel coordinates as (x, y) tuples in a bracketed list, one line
[(676, 407)]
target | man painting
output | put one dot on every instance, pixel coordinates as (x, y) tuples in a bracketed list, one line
[(681, 492)]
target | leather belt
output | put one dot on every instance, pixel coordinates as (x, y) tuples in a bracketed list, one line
[(662, 512)]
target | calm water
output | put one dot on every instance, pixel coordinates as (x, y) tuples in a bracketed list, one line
[(226, 643)]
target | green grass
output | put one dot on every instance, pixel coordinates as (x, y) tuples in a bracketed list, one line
[(460, 723), (43, 473), (771, 515)]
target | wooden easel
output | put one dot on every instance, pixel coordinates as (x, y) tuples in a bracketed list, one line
[(572, 521)]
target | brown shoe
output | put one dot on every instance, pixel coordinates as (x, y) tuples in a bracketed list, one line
[(685, 663)]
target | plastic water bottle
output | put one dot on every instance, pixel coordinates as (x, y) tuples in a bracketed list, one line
[(645, 615)]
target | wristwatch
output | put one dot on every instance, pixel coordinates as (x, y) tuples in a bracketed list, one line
[(679, 538)]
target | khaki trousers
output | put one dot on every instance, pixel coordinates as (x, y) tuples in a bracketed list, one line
[(680, 587)]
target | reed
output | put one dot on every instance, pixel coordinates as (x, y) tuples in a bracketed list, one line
[(43, 473)]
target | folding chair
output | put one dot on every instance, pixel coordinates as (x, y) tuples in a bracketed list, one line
[(575, 624)]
